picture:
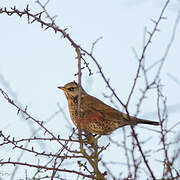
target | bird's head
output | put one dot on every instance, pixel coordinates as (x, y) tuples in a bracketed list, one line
[(71, 89)]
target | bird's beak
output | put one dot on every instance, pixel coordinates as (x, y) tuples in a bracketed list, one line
[(62, 88)]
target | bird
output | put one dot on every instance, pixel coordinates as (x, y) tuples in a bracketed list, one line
[(95, 116)]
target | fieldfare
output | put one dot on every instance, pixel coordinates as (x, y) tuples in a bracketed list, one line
[(96, 116)]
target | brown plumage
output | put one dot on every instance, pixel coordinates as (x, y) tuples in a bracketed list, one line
[(96, 116)]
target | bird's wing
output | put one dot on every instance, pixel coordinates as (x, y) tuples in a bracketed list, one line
[(92, 104)]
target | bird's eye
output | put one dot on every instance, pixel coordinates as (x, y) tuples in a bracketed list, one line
[(71, 88)]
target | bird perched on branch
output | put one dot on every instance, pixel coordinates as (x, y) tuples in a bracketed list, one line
[(96, 116)]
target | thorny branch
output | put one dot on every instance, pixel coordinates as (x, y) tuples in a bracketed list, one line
[(7, 140), (40, 123), (46, 168), (151, 34), (46, 25)]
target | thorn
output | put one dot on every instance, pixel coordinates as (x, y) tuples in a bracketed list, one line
[(163, 18), (149, 33), (18, 111), (153, 21), (45, 132), (33, 21), (157, 30), (25, 109), (27, 8), (47, 27)]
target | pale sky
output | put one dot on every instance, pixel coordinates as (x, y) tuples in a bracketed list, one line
[(34, 62)]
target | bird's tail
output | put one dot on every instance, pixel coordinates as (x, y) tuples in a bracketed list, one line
[(143, 121)]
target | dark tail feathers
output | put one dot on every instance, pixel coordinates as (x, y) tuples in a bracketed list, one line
[(142, 121)]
